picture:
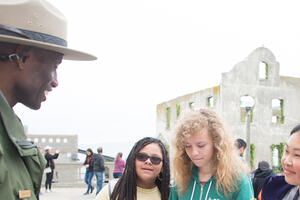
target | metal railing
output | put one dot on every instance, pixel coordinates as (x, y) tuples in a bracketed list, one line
[(72, 174)]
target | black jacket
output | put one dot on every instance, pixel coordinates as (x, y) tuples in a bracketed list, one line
[(89, 162), (98, 163), (50, 160), (260, 175)]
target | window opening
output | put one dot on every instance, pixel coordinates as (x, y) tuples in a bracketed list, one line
[(263, 70), (246, 105), (210, 101), (277, 111)]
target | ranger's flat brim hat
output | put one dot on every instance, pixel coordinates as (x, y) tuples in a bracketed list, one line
[(37, 23)]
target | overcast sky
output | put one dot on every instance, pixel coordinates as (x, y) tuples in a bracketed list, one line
[(150, 52)]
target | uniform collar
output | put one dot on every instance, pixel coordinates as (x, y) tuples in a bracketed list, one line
[(14, 128)]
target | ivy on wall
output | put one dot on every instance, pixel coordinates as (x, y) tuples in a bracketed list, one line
[(280, 148), (252, 148), (167, 147), (267, 70), (168, 117), (177, 110), (281, 112)]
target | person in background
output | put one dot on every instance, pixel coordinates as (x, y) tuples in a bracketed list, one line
[(205, 164), (50, 163), (99, 168), (89, 173), (33, 43), (286, 187), (241, 145), (260, 175), (119, 165), (146, 175)]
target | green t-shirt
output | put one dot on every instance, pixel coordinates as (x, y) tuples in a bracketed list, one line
[(207, 191)]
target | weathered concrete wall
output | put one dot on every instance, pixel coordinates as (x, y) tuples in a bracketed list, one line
[(199, 99), (243, 80)]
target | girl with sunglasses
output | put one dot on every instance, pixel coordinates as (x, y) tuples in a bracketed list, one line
[(146, 175), (286, 187), (206, 165)]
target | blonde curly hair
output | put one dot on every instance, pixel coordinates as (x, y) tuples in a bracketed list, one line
[(228, 164)]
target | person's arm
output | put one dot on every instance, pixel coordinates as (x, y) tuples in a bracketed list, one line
[(85, 162), (245, 189), (55, 156), (255, 187), (91, 161), (102, 163)]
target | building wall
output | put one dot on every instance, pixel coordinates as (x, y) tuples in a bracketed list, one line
[(242, 80), (199, 99), (66, 144)]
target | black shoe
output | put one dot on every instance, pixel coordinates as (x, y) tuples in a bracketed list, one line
[(92, 189), (86, 193)]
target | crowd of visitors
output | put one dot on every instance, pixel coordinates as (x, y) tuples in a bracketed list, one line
[(206, 163)]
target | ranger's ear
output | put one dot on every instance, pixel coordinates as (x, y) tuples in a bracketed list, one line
[(22, 53)]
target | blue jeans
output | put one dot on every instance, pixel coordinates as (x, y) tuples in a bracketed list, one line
[(88, 180), (99, 176)]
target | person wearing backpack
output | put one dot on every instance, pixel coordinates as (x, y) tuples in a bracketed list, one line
[(98, 166)]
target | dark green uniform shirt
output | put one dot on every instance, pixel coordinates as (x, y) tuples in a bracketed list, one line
[(21, 163)]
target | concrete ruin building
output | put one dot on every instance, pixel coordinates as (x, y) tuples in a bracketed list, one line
[(274, 114)]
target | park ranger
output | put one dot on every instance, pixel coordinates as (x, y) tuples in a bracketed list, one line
[(32, 45)]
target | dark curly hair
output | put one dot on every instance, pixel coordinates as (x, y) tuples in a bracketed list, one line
[(125, 189)]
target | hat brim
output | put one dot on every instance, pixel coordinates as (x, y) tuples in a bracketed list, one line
[(69, 54)]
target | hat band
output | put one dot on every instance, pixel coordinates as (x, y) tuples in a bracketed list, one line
[(32, 35)]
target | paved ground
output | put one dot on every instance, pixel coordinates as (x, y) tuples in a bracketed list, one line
[(67, 194)]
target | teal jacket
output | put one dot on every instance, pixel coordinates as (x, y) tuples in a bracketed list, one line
[(21, 163), (208, 190)]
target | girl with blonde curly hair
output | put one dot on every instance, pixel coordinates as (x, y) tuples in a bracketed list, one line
[(206, 165)]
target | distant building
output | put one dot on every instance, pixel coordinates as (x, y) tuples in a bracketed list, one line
[(66, 144), (68, 168), (275, 112)]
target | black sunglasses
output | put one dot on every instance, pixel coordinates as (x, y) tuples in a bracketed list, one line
[(143, 157)]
